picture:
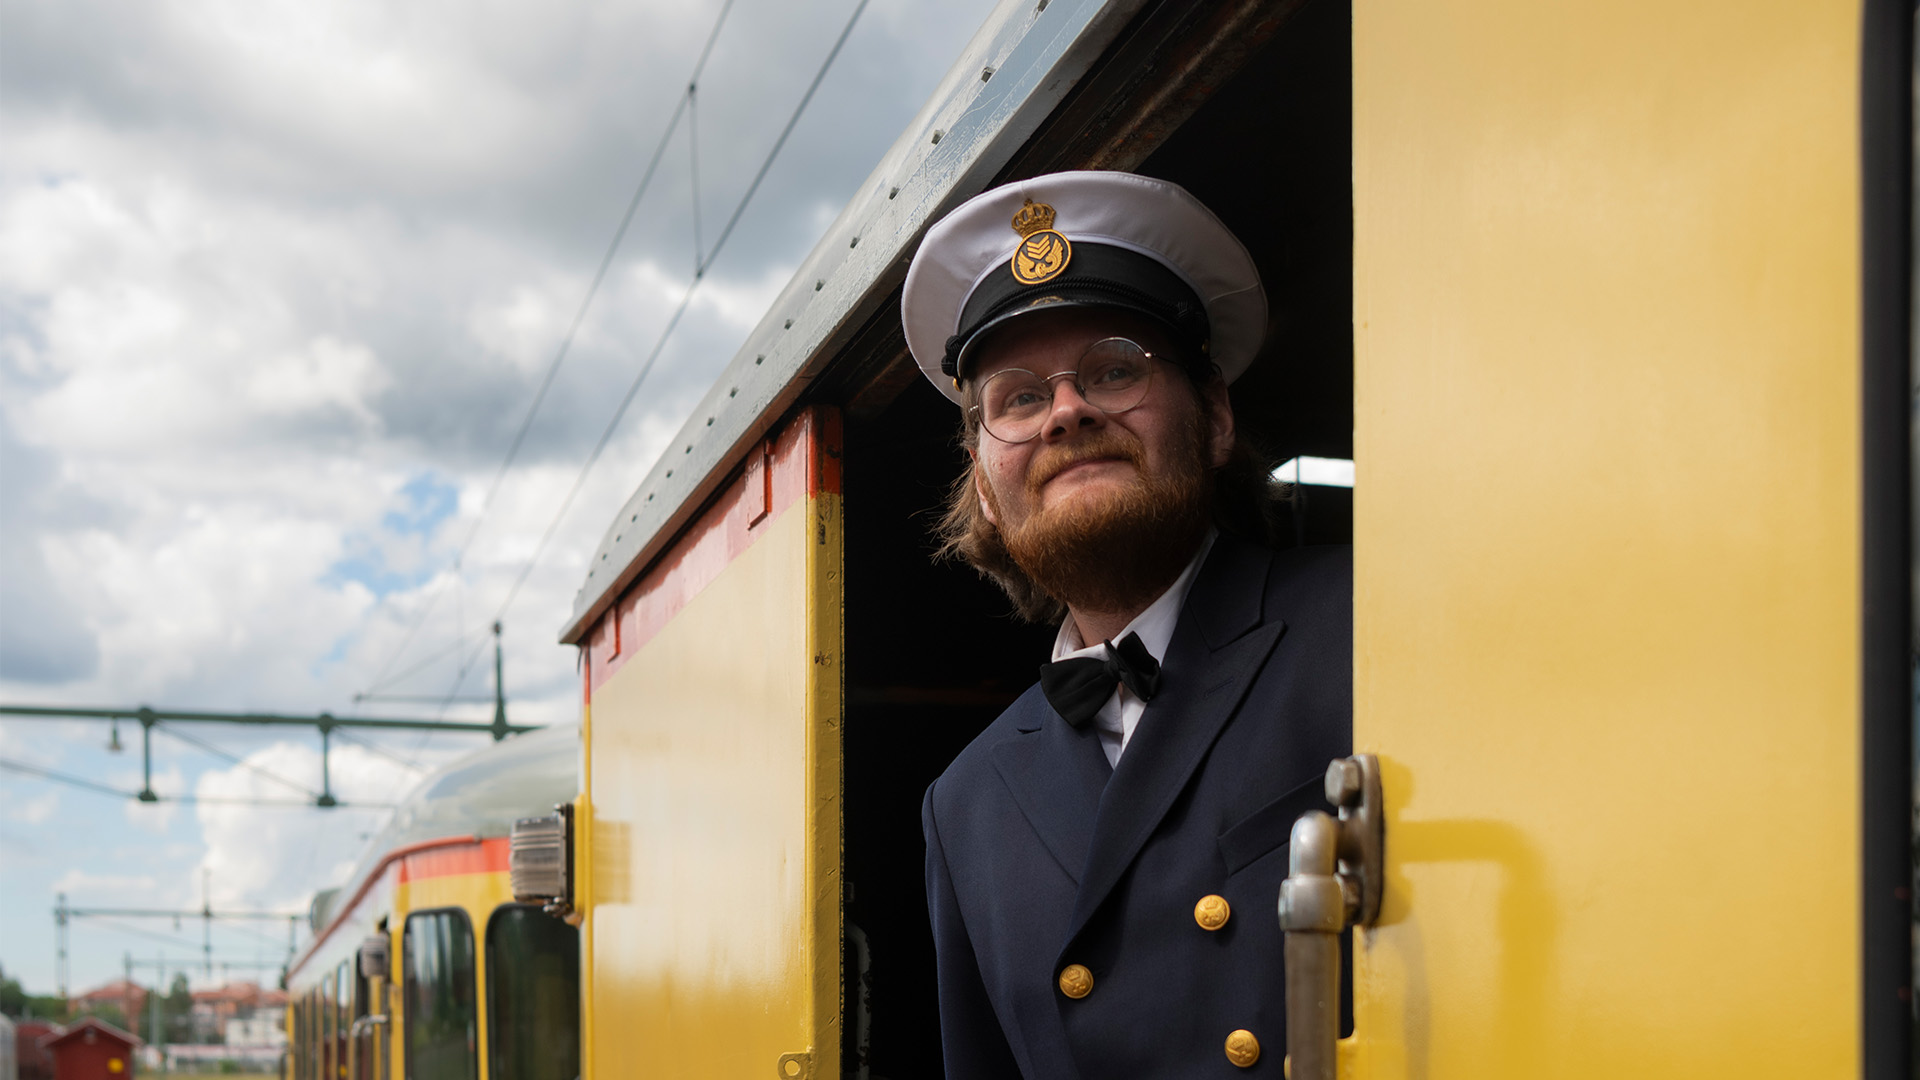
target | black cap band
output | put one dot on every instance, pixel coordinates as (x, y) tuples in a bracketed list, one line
[(1099, 275)]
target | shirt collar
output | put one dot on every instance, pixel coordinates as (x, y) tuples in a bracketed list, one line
[(1154, 625)]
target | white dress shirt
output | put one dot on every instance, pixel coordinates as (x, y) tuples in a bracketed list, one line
[(1121, 714)]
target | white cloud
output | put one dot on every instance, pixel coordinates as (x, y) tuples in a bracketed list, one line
[(84, 887), (36, 810), (277, 283), (274, 858)]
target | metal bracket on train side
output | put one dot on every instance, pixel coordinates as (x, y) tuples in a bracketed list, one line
[(540, 863)]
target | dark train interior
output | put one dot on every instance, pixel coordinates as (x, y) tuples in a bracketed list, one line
[(933, 651)]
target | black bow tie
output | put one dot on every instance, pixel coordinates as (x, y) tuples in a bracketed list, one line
[(1076, 688)]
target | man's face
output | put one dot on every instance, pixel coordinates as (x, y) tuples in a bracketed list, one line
[(1095, 486), (1084, 457)]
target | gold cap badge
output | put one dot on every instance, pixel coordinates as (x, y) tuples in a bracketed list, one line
[(1043, 253)]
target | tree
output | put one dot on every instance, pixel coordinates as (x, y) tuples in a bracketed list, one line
[(112, 1014), (17, 1003), (176, 1010)]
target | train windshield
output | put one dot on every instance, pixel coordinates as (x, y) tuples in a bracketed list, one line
[(442, 1027), (533, 995)]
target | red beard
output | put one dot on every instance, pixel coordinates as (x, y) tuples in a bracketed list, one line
[(1114, 550)]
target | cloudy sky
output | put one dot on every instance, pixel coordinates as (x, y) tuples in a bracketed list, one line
[(278, 284)]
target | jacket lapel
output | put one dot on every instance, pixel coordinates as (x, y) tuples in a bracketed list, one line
[(1056, 773), (1217, 648)]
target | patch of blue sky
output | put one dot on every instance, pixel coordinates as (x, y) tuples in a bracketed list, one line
[(430, 501), (334, 656), (427, 502), (368, 566)]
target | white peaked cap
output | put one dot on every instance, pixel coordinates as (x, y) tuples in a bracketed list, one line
[(1093, 211)]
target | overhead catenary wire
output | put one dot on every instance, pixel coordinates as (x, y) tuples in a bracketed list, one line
[(369, 744), (438, 654), (653, 355), (235, 759), (168, 939), (573, 329), (30, 769)]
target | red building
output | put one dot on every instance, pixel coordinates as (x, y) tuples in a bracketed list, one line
[(35, 1062), (91, 1049), (127, 996)]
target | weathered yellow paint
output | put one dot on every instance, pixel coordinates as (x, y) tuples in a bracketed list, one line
[(714, 842), (1606, 304)]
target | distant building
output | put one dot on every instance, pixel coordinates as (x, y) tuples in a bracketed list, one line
[(130, 998), (215, 1010), (34, 1061), (91, 1049), (266, 1027)]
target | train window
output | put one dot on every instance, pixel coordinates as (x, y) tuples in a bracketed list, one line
[(342, 1016), (533, 995), (297, 1037), (316, 1035), (324, 1025), (438, 994)]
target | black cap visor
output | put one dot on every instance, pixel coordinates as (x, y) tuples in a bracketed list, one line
[(1098, 276)]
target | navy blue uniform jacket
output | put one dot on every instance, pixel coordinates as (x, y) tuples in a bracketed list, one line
[(1040, 855)]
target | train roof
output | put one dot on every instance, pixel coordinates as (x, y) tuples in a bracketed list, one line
[(1012, 76), (480, 795)]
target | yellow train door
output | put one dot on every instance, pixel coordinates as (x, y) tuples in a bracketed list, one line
[(1608, 310), (710, 825)]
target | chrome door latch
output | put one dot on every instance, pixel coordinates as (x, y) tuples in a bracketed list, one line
[(1336, 869)]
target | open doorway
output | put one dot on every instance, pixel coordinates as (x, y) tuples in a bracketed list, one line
[(933, 654)]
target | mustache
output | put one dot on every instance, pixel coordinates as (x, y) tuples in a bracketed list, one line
[(1107, 444)]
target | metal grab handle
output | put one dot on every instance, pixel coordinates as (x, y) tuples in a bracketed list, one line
[(1335, 871), (360, 1025)]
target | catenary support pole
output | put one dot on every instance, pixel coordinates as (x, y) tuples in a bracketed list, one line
[(146, 755), (500, 728)]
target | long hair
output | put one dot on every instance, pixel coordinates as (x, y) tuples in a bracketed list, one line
[(1245, 502)]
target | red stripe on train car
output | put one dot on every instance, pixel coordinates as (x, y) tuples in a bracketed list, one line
[(778, 473), (397, 855), (484, 857)]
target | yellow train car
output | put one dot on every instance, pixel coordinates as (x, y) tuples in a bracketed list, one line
[(422, 965), (1609, 305)]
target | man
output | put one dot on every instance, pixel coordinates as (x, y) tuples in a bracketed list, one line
[(1103, 862)]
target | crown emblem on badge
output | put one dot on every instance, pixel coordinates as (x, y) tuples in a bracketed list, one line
[(1043, 254), (1032, 217)]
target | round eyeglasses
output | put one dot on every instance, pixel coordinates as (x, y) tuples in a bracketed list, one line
[(1113, 375)]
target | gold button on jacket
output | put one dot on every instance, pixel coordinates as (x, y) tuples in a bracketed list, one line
[(1242, 1048), (1076, 981), (1212, 912)]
